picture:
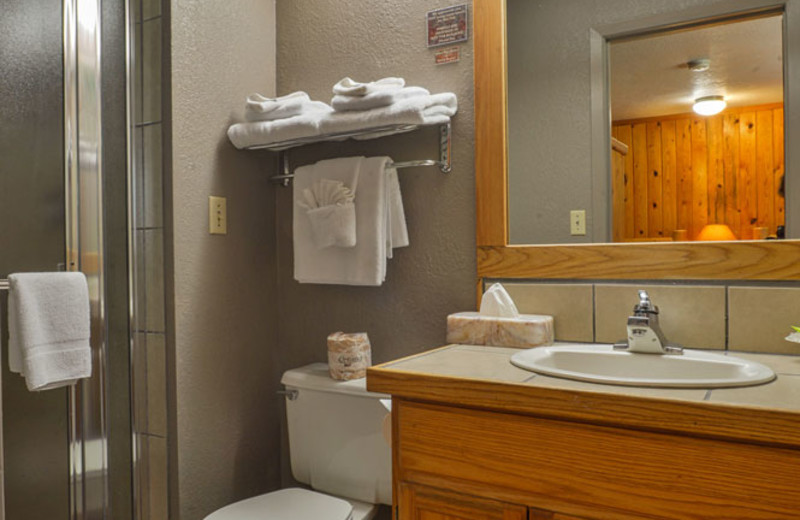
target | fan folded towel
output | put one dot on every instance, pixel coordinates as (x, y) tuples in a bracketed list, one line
[(332, 213), (365, 263), (418, 110), (380, 98), (307, 124), (48, 319), (260, 108), (349, 87)]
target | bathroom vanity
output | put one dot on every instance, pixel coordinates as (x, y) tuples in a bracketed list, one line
[(475, 437)]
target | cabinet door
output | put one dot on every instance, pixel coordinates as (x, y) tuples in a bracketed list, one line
[(424, 503)]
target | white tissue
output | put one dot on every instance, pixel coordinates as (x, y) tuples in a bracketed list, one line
[(497, 302)]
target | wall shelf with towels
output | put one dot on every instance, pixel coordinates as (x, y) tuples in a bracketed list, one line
[(445, 146)]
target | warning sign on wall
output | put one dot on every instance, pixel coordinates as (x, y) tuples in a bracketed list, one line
[(448, 25)]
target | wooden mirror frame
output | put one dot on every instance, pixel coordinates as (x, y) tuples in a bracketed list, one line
[(496, 258)]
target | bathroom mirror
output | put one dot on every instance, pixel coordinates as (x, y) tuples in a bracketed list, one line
[(589, 140), (663, 182)]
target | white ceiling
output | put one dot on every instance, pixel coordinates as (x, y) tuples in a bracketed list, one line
[(649, 76)]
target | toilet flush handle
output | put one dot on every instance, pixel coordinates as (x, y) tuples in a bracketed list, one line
[(291, 394)]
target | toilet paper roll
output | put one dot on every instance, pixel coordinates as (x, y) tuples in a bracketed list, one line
[(349, 355)]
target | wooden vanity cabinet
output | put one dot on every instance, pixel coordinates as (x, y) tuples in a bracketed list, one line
[(459, 463)]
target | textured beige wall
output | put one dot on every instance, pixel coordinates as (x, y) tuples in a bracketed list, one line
[(224, 288), (319, 42)]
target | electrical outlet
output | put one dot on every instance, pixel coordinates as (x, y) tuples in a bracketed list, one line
[(217, 215), (577, 222)]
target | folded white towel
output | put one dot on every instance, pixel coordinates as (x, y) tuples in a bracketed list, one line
[(380, 98), (307, 124), (262, 108), (417, 110), (349, 87), (49, 328), (364, 264), (330, 208)]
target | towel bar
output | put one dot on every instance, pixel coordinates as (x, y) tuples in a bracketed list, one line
[(3, 285), (444, 162)]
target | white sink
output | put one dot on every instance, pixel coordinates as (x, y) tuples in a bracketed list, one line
[(602, 364)]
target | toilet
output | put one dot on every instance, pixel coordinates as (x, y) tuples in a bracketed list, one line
[(336, 446)]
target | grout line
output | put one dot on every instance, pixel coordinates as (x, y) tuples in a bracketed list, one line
[(530, 378), (708, 395)]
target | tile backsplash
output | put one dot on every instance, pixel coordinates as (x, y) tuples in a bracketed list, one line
[(729, 316)]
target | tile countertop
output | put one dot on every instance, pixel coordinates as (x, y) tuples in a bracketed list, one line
[(483, 377)]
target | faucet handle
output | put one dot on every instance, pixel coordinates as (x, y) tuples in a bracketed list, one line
[(645, 305)]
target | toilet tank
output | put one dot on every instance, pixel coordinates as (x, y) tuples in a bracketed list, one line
[(336, 440)]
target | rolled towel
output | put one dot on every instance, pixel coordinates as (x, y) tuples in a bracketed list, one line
[(349, 87), (380, 98), (307, 124), (418, 110)]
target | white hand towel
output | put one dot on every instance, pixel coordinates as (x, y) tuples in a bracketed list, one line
[(307, 124), (331, 209), (349, 87), (364, 264), (418, 110), (261, 108), (396, 228), (380, 98), (49, 328)]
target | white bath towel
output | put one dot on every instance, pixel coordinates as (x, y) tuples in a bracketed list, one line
[(418, 110), (261, 108), (307, 124), (349, 87), (49, 328), (380, 98), (364, 264)]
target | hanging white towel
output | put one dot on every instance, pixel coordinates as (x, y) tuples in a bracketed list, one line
[(49, 328), (364, 264), (307, 124), (396, 228), (380, 98), (349, 87), (262, 108), (418, 110)]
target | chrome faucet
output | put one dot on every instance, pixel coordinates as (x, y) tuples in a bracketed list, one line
[(644, 331)]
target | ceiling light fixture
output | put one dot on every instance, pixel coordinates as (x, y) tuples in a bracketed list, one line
[(699, 65), (709, 105)]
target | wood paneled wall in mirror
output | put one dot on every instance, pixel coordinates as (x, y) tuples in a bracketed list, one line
[(751, 206)]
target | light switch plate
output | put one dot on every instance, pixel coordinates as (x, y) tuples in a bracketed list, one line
[(217, 215), (577, 222)]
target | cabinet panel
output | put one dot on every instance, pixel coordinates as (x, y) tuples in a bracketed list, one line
[(424, 503), (597, 472)]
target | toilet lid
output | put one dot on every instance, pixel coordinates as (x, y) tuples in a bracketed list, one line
[(286, 504)]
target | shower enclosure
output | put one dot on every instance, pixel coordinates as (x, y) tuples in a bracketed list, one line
[(73, 178)]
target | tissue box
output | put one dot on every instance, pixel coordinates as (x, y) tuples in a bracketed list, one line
[(524, 331)]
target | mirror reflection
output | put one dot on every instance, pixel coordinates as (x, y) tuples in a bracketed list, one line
[(672, 172), (715, 172)]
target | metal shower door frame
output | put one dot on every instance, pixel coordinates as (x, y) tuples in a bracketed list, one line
[(88, 440)]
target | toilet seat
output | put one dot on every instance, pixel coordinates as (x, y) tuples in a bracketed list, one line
[(286, 504)]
